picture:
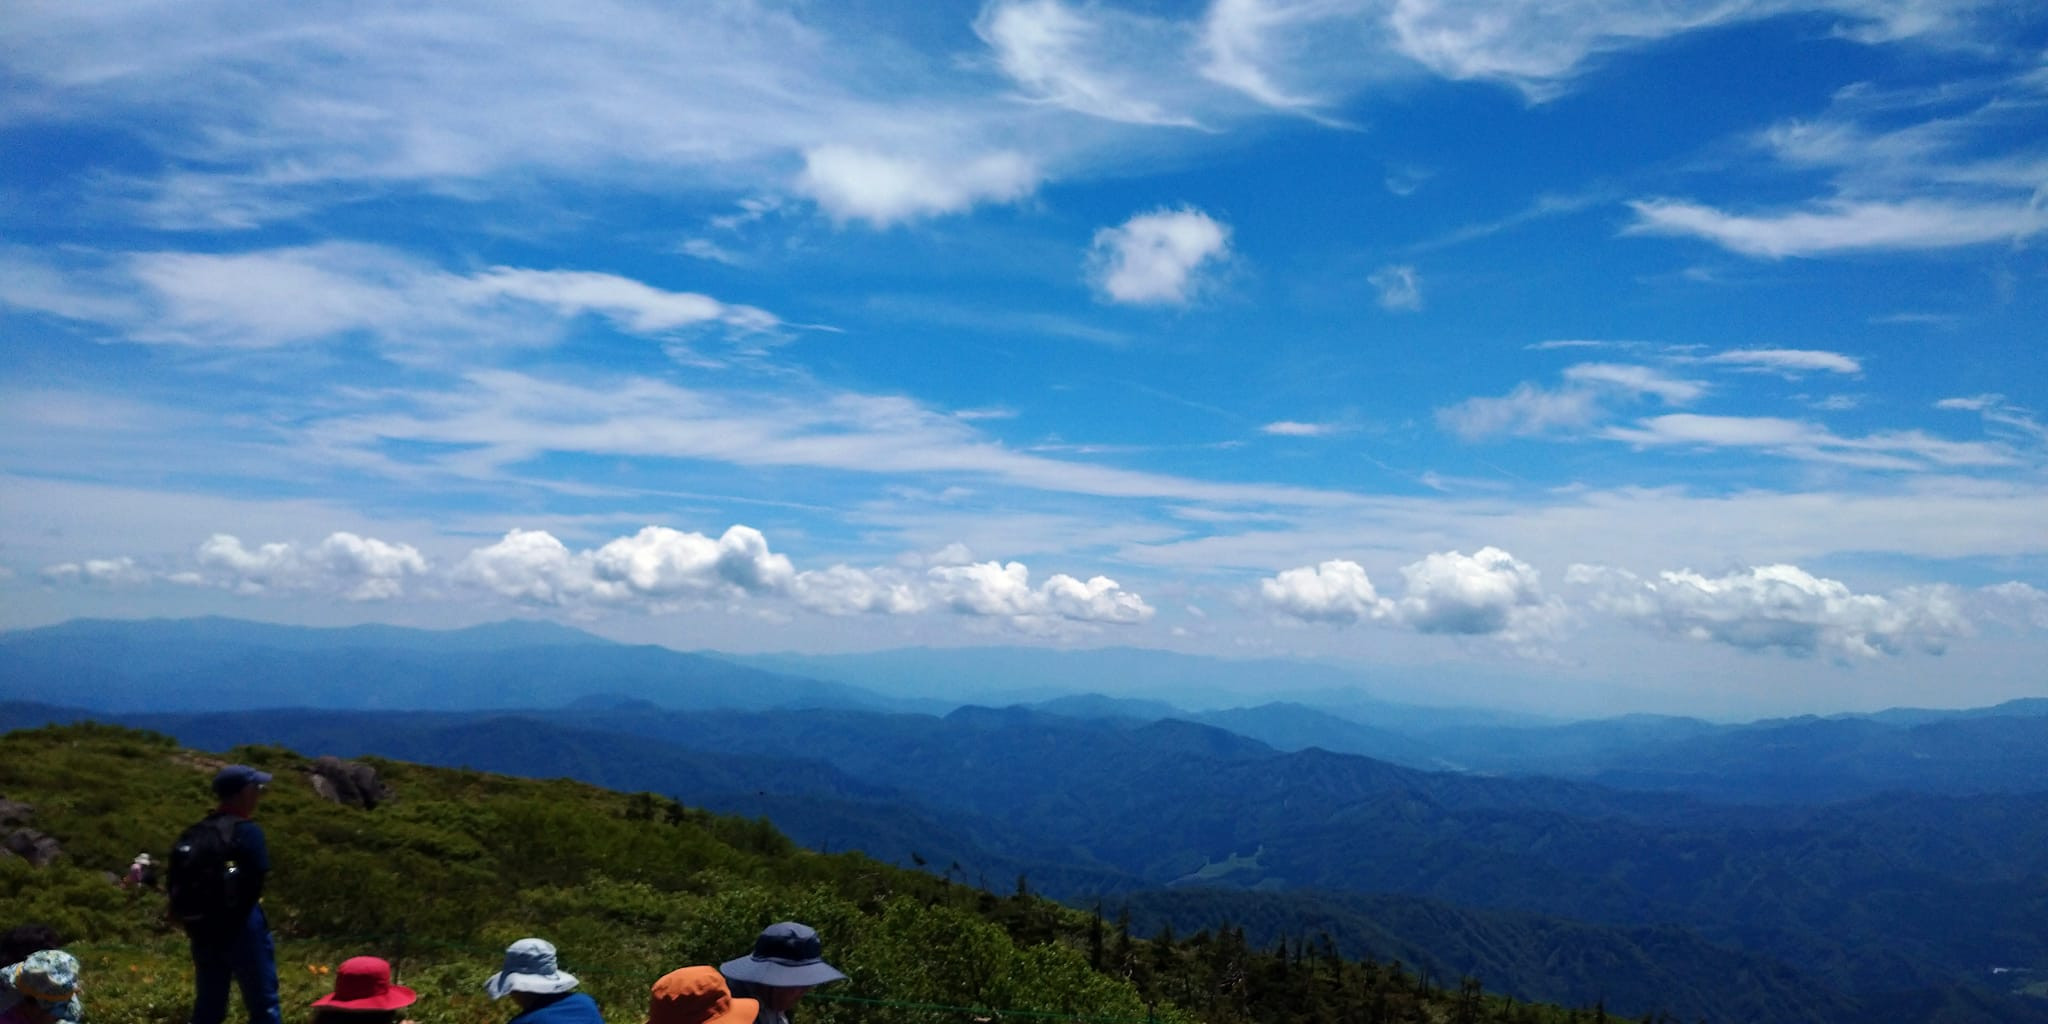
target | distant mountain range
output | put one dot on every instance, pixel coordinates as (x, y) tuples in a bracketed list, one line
[(1681, 852), (1921, 892)]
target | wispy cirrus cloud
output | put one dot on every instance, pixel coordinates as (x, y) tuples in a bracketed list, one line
[(278, 297), (1787, 361), (1400, 287), (1093, 60), (1796, 439), (1588, 395), (1937, 169), (1841, 226)]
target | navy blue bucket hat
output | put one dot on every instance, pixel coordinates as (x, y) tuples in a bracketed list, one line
[(787, 955)]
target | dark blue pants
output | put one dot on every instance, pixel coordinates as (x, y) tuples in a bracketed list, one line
[(243, 956)]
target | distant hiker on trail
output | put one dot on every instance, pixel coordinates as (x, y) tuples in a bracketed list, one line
[(141, 873), (41, 989), (788, 961), (363, 994), (216, 886), (545, 993), (697, 995)]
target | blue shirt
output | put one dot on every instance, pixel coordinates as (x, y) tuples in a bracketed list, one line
[(574, 1008)]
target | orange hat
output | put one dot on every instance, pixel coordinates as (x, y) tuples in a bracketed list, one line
[(697, 995)]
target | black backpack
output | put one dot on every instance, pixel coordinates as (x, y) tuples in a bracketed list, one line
[(201, 878)]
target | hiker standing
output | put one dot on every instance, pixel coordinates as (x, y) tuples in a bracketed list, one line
[(216, 883), (788, 961)]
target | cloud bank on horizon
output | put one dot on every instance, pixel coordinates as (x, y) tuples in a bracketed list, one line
[(1696, 348)]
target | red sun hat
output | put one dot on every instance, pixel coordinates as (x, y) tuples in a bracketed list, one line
[(364, 983)]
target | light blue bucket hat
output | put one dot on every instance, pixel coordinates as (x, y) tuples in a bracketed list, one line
[(529, 967), (48, 978)]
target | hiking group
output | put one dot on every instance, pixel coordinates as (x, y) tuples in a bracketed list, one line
[(215, 877)]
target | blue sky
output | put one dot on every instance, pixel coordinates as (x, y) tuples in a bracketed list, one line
[(1582, 356)]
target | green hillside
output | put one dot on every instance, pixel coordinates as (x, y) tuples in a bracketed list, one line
[(459, 863)]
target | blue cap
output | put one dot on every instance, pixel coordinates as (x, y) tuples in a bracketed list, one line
[(236, 777)]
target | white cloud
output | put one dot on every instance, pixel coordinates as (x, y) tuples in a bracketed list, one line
[(1788, 361), (657, 567), (1399, 286), (329, 291), (1486, 593), (1528, 409), (1590, 390), (1781, 607), (1003, 590), (1840, 225), (1540, 48), (528, 565), (660, 569), (636, 308), (2016, 603), (844, 590), (852, 183), (709, 251), (1630, 379), (1335, 591), (358, 568), (1096, 61), (120, 571), (1899, 449), (1154, 258), (660, 564), (471, 93), (499, 418), (1295, 428), (1244, 41), (1998, 412)]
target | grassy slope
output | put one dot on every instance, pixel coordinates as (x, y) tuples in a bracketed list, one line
[(461, 863)]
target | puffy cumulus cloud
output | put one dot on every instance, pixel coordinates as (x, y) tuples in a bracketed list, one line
[(1400, 287), (845, 590), (1155, 258), (1487, 593), (657, 566), (98, 572), (358, 568), (528, 565), (851, 183), (2015, 603), (1003, 590), (1335, 591), (660, 563), (660, 568), (1782, 608)]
